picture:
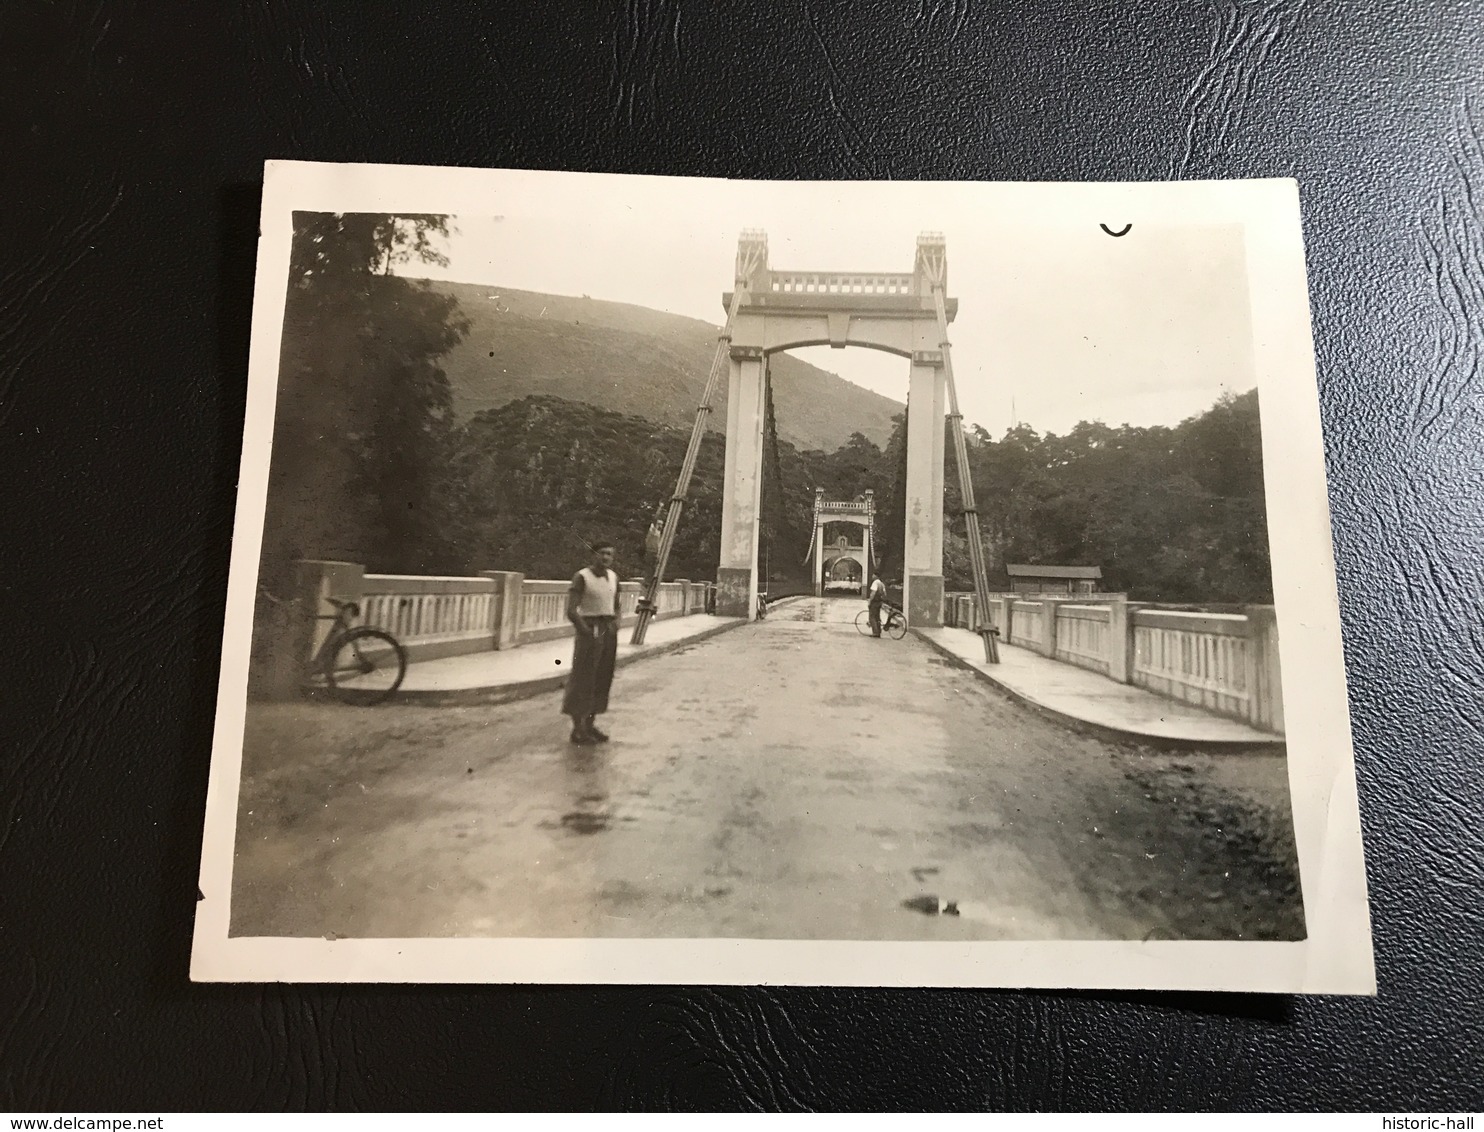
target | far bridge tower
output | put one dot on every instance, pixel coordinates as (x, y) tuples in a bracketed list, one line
[(773, 310)]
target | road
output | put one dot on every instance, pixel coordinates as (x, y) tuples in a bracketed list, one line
[(788, 779)]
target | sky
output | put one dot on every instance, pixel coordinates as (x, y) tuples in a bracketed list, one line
[(1058, 322)]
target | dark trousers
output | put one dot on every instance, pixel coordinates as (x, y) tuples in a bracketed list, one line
[(593, 654), (873, 612)]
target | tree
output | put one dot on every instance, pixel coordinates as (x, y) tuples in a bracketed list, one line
[(1171, 515), (891, 506), (363, 430), (777, 555)]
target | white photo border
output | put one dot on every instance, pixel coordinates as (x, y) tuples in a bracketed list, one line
[(1335, 958)]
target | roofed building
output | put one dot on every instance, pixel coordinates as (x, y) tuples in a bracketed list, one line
[(1070, 580)]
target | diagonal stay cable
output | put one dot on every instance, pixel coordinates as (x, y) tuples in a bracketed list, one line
[(647, 604), (935, 260)]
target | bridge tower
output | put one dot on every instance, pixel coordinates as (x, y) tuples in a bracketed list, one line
[(859, 512), (772, 310)]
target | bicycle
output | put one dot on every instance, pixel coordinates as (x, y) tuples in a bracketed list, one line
[(762, 606), (893, 622), (355, 664)]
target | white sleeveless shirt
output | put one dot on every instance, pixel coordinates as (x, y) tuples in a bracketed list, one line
[(599, 593)]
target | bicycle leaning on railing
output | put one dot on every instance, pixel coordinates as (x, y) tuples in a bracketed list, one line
[(893, 621), (355, 664)]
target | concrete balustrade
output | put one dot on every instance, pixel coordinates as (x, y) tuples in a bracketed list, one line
[(543, 610), (432, 617), (1027, 624), (1264, 672), (830, 283), (628, 601), (671, 600), (1226, 662), (1082, 636), (505, 607)]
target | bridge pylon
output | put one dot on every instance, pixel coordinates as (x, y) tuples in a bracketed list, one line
[(770, 310), (860, 512), (777, 309)]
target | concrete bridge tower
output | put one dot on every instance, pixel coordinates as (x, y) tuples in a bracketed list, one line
[(860, 513), (781, 310)]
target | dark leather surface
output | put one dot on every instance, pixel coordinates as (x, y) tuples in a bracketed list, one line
[(134, 139)]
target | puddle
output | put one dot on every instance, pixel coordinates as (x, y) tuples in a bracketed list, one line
[(711, 892), (930, 905), (580, 821)]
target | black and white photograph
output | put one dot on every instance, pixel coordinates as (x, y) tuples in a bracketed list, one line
[(655, 580)]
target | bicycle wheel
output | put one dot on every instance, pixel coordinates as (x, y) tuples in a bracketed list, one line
[(896, 626), (365, 666), (863, 622)]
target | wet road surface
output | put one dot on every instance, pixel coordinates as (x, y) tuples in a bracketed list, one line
[(787, 779)]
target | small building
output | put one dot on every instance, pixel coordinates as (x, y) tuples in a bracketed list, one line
[(1052, 580)]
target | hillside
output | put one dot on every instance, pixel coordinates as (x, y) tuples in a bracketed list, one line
[(633, 360)]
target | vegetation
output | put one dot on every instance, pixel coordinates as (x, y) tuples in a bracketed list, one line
[(364, 429), (1170, 514), (543, 478), (631, 360), (371, 465)]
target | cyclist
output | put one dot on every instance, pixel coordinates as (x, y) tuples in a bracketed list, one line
[(875, 596)]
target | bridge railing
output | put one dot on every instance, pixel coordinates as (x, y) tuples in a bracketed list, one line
[(433, 617), (544, 605), (1224, 662), (671, 601), (442, 615), (1028, 624), (543, 610), (1223, 659), (832, 283), (1084, 636)]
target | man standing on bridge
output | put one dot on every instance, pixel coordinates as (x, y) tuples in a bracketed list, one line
[(875, 595), (592, 607)]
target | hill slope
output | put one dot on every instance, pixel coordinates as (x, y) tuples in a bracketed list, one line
[(633, 360)]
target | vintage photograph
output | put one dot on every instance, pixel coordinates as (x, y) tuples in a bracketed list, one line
[(637, 559)]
